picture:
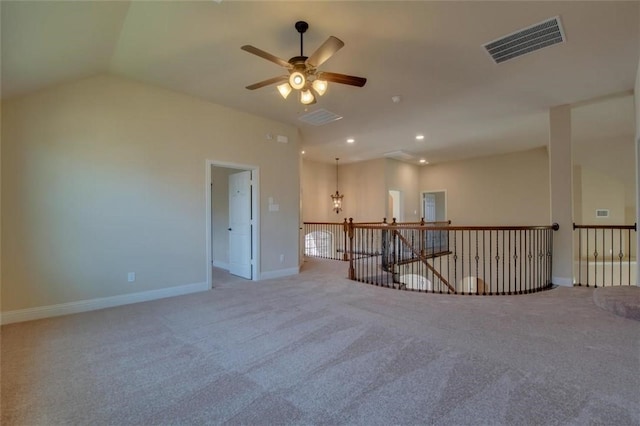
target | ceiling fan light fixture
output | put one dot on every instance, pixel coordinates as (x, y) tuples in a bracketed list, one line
[(306, 97), (303, 70), (297, 80), (284, 89), (320, 86)]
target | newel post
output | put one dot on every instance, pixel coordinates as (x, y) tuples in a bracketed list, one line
[(421, 243), (394, 245), (345, 227), (352, 272)]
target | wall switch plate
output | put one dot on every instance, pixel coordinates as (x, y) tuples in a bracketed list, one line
[(131, 277)]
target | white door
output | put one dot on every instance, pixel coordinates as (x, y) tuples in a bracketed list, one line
[(240, 255), (429, 207)]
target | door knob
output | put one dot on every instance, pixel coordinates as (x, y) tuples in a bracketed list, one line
[(229, 229)]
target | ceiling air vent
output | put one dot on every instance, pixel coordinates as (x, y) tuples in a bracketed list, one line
[(319, 117), (527, 40), (399, 155)]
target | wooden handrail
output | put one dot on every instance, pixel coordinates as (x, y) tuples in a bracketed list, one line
[(632, 227), (464, 228)]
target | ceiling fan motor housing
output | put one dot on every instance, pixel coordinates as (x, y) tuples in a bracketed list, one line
[(298, 62)]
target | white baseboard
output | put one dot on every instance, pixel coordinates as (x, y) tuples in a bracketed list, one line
[(268, 275), (221, 265), (561, 281), (40, 312)]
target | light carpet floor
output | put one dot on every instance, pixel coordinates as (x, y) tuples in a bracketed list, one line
[(320, 349)]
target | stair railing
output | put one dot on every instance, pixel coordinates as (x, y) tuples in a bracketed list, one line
[(605, 255), (446, 259), (328, 240)]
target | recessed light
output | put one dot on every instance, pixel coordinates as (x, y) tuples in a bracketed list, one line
[(302, 152), (351, 140), (423, 161), (419, 137)]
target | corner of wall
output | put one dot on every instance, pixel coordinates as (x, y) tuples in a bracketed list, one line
[(637, 103)]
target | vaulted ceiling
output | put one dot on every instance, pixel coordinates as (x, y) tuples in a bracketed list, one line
[(428, 53)]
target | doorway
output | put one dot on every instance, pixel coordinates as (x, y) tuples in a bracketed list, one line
[(394, 208), (434, 206), (232, 217)]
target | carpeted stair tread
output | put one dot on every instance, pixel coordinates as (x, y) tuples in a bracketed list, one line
[(622, 301)]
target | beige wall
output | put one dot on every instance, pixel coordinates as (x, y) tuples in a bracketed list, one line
[(404, 177), (106, 176), (511, 189), (318, 183), (601, 191), (637, 102), (364, 186), (617, 165), (1, 118)]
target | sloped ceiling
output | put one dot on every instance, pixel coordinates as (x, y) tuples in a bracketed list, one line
[(429, 53)]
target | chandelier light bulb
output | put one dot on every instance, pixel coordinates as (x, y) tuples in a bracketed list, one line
[(337, 202), (284, 89), (306, 97), (320, 86), (297, 80)]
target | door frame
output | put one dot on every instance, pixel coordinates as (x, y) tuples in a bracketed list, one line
[(400, 216), (431, 191), (255, 213)]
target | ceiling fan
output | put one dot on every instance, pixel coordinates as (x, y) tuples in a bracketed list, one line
[(303, 71)]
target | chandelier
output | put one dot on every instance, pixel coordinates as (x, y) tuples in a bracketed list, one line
[(337, 197)]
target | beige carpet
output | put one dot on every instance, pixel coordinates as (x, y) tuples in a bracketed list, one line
[(319, 349)]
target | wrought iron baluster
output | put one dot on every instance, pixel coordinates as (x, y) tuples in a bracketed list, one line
[(476, 258), (604, 259), (579, 256)]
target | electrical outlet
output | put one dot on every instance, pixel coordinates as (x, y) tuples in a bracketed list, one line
[(131, 277)]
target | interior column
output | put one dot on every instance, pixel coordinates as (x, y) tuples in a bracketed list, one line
[(560, 180)]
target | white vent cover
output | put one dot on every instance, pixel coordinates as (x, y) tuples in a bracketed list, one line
[(527, 40), (319, 117)]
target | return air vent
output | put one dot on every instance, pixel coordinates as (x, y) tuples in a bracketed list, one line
[(399, 155), (319, 117), (527, 40)]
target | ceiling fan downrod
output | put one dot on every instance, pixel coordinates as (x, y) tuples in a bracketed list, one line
[(301, 27)]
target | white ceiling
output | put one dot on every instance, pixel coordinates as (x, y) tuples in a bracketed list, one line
[(429, 53)]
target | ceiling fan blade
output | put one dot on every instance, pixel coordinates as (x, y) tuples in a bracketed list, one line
[(273, 80), (324, 52), (265, 55), (342, 78)]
